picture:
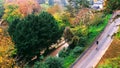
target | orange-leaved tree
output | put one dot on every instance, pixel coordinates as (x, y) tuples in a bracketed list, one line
[(19, 9)]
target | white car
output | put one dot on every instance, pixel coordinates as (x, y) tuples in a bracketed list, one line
[(97, 5)]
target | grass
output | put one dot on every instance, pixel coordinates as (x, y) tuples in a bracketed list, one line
[(95, 31), (68, 61)]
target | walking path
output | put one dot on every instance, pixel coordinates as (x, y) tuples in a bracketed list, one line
[(63, 45), (91, 58)]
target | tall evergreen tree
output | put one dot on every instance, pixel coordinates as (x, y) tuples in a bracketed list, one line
[(33, 34)]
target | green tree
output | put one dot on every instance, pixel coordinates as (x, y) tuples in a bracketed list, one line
[(112, 5), (54, 62), (33, 34)]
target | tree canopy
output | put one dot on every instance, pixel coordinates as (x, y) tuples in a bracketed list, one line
[(112, 5), (34, 34), (19, 9)]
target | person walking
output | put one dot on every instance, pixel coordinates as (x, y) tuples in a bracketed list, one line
[(97, 42)]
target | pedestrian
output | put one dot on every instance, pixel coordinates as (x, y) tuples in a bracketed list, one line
[(111, 36), (97, 42), (108, 35)]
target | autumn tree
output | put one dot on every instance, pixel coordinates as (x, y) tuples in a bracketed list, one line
[(11, 13), (28, 6), (70, 9), (83, 17), (54, 9), (34, 34), (19, 9), (75, 6)]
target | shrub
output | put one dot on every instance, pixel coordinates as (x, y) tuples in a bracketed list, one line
[(80, 35), (37, 65), (77, 50), (63, 53), (40, 65), (118, 34), (54, 62), (33, 34), (98, 19), (74, 42)]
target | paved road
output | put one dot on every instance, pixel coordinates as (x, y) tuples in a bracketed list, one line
[(93, 55)]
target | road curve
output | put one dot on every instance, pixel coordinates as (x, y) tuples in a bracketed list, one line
[(91, 58)]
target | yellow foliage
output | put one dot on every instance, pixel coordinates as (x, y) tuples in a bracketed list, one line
[(1, 59), (7, 10), (1, 30), (6, 46), (57, 16)]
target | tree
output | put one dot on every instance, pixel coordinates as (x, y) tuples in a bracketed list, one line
[(11, 13), (75, 6), (68, 35), (79, 3), (54, 9), (112, 5), (54, 62), (1, 8), (28, 6), (33, 34), (70, 9), (19, 9), (40, 65), (83, 17)]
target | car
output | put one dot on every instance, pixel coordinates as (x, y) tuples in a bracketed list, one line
[(97, 5)]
